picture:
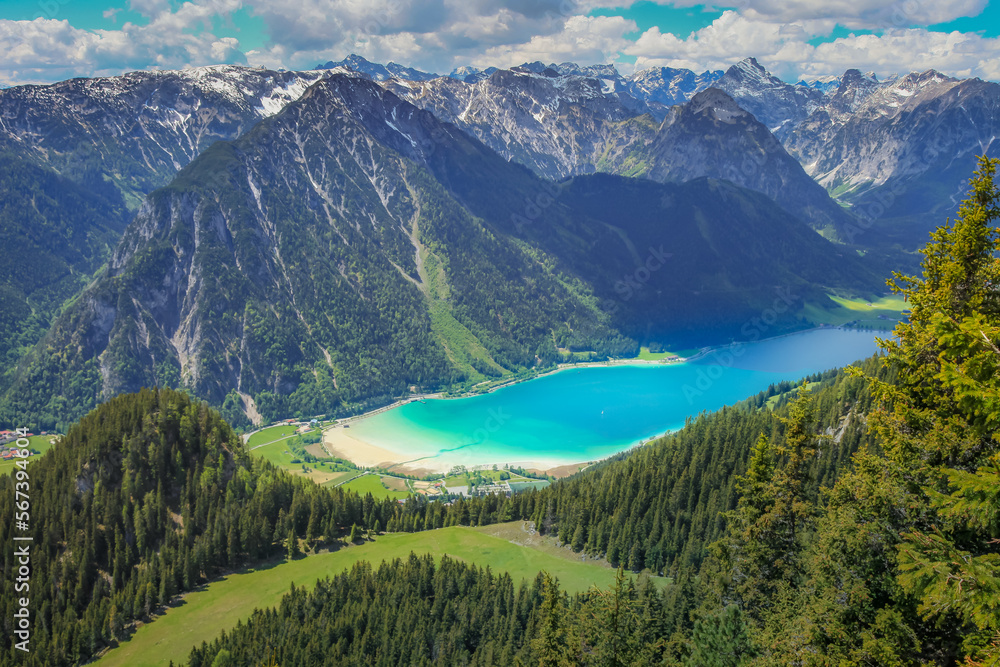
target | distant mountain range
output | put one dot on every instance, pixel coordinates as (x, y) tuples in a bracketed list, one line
[(306, 240)]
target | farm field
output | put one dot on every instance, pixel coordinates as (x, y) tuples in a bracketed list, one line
[(270, 435), (204, 613), (463, 479), (39, 443), (882, 313), (388, 487), (274, 443), (646, 355)]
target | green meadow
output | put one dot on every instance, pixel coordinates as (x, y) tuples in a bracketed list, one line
[(270, 435), (39, 443), (374, 485), (882, 313), (203, 614), (274, 444), (646, 355)]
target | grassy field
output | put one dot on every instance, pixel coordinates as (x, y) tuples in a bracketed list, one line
[(337, 478), (277, 453), (463, 479), (374, 485), (646, 355), (273, 444), (882, 313), (491, 475), (39, 443), (203, 614), (892, 302), (323, 473), (270, 435)]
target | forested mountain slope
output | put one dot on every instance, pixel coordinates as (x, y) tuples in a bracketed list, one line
[(145, 497), (885, 557), (779, 540), (136, 131), (55, 234)]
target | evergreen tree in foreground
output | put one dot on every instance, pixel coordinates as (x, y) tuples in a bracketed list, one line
[(943, 423)]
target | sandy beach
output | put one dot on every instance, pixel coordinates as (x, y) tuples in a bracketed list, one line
[(340, 443)]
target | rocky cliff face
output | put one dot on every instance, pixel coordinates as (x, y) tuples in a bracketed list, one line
[(555, 124), (901, 152), (668, 86), (377, 72), (562, 124), (779, 105), (139, 129), (714, 136)]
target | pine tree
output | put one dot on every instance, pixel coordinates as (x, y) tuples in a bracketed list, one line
[(616, 637), (550, 643), (766, 536), (720, 639), (939, 425)]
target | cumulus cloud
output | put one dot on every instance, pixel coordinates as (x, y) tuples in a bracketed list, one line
[(586, 39), (111, 14), (433, 34), (149, 7), (955, 53), (728, 39), (48, 50), (785, 49), (853, 14), (864, 14)]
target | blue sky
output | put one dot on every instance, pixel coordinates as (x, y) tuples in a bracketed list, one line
[(50, 40)]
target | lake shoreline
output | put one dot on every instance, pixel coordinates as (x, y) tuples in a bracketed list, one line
[(365, 453), (608, 363)]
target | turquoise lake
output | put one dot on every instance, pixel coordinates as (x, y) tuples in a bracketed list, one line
[(586, 414)]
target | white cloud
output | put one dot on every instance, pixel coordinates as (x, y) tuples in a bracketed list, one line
[(864, 14), (853, 14), (583, 38), (149, 7), (48, 50), (112, 14), (785, 50), (899, 51), (431, 34)]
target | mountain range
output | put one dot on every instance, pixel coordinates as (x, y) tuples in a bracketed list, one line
[(346, 248), (897, 151), (300, 242)]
